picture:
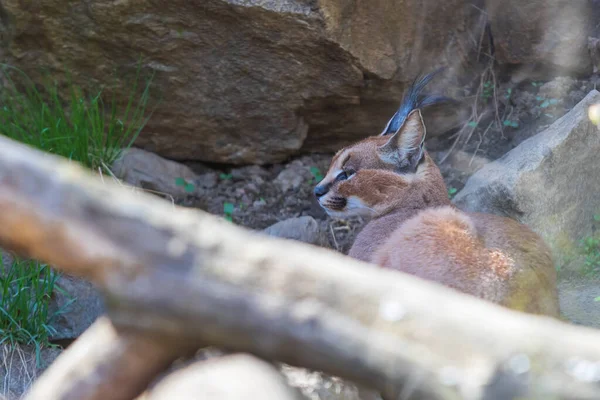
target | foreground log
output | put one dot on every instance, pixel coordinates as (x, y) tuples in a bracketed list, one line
[(106, 361), (187, 275)]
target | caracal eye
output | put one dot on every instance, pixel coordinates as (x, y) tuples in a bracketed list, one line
[(345, 174), (341, 176)]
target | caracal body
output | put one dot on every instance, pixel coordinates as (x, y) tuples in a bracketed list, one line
[(415, 229)]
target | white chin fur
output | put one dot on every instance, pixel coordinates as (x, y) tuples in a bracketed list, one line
[(354, 207), (338, 214)]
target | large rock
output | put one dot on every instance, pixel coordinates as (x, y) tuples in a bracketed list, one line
[(316, 385), (233, 377), (249, 81), (549, 182), (312, 385), (578, 299), (304, 229), (546, 35), (149, 171), (294, 175), (77, 304)]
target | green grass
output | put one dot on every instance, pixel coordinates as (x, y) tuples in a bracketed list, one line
[(70, 123), (452, 192), (590, 249), (488, 90), (228, 209), (316, 173), (187, 186), (26, 288)]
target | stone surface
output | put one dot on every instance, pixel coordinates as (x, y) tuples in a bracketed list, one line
[(578, 296), (557, 88), (233, 377), (79, 303), (149, 171), (304, 229), (19, 368), (6, 259), (313, 385), (249, 81), (319, 386), (545, 35), (594, 49), (550, 181), (292, 176)]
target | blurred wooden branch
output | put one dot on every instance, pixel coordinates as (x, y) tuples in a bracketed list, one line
[(105, 363), (187, 276)]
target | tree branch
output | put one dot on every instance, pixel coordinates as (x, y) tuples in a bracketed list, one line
[(105, 361), (190, 275)]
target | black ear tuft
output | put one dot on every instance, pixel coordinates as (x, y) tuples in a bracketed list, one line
[(413, 100), (405, 148)]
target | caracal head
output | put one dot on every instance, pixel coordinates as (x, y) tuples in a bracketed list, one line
[(371, 176)]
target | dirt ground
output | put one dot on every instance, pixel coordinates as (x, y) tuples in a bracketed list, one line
[(257, 197)]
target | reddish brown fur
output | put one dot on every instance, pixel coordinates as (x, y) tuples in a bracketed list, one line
[(415, 229)]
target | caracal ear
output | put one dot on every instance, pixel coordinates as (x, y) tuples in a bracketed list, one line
[(405, 147)]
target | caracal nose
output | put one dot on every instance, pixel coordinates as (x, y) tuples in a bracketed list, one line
[(321, 190)]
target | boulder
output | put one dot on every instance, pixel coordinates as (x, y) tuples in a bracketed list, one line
[(249, 81), (557, 88), (546, 35), (578, 299), (316, 385), (293, 176), (77, 304), (550, 181), (149, 171), (304, 229), (313, 385), (232, 377)]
